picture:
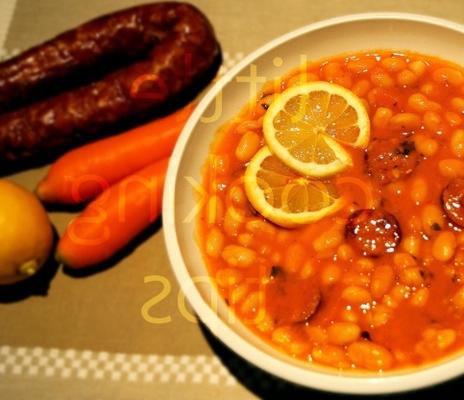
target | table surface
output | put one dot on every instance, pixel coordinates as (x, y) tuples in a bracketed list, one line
[(95, 337)]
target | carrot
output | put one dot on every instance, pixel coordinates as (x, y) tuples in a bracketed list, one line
[(84, 173), (114, 218)]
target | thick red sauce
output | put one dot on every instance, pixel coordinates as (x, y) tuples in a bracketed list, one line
[(310, 291)]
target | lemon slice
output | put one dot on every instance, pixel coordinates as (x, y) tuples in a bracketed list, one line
[(305, 125), (285, 197)]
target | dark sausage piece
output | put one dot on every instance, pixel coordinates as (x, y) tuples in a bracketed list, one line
[(390, 159), (373, 232), (92, 49), (184, 57), (453, 201), (290, 299)]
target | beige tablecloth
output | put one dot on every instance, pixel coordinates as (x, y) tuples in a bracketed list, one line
[(95, 337)]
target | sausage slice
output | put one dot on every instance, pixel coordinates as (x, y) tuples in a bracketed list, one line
[(391, 159), (453, 201), (373, 232), (291, 299)]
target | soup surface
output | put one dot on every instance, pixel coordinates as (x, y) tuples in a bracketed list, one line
[(377, 284)]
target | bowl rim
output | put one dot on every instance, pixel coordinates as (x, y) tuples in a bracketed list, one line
[(399, 381)]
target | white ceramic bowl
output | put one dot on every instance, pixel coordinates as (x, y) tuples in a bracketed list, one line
[(331, 37)]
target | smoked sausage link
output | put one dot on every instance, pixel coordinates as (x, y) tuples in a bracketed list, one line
[(165, 49), (60, 62)]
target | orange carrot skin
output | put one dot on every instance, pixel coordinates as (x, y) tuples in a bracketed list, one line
[(114, 218), (85, 172)]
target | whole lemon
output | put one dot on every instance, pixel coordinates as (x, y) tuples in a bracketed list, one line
[(26, 236)]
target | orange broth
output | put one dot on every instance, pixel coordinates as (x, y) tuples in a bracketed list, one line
[(398, 310)]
